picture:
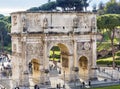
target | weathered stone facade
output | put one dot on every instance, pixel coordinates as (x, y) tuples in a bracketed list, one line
[(35, 33)]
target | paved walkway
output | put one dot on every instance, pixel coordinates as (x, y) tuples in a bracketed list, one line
[(106, 76), (109, 73)]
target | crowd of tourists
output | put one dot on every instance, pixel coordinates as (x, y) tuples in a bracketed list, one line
[(5, 65)]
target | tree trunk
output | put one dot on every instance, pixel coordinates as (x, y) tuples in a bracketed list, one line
[(53, 54), (113, 54), (113, 50)]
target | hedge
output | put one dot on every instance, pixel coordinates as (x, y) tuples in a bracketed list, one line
[(105, 62)]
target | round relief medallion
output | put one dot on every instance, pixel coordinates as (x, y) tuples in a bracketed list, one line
[(86, 46)]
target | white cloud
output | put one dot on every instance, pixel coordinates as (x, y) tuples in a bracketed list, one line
[(7, 11)]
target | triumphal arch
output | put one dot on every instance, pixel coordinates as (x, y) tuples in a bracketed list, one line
[(35, 33)]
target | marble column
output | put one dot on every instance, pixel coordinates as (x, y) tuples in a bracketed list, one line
[(46, 60), (26, 69), (94, 57), (75, 53)]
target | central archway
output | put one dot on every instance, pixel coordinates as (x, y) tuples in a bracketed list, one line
[(62, 63), (54, 60)]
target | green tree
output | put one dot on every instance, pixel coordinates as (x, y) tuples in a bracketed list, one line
[(33, 9), (112, 7), (48, 6), (45, 7), (5, 38), (109, 22), (62, 4), (2, 32), (1, 16), (94, 8), (101, 7), (74, 5), (66, 5)]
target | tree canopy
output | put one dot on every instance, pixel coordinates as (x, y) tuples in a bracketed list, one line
[(2, 33), (76, 5), (1, 16), (109, 22), (66, 5), (5, 27), (101, 7), (112, 7), (45, 7), (48, 6)]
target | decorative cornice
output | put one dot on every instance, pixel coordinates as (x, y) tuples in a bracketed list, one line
[(52, 12)]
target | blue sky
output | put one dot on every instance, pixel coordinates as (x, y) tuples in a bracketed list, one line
[(8, 6)]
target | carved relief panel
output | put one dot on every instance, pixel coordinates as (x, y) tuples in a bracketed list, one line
[(14, 48), (83, 46), (34, 49), (93, 23), (86, 21), (75, 22), (14, 20), (87, 46), (37, 20), (24, 23), (80, 46), (45, 22), (81, 21)]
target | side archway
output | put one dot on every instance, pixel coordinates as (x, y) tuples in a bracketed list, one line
[(83, 67), (34, 69)]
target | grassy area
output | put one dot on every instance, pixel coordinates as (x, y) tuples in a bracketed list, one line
[(56, 52), (108, 60), (108, 87), (104, 45), (56, 57)]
